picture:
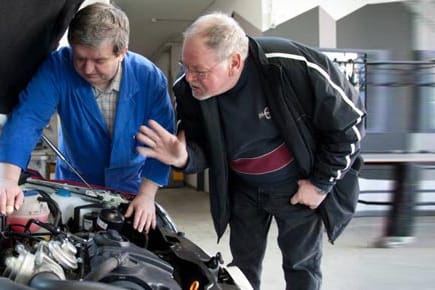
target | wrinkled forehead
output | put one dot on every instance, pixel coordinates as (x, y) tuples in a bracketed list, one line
[(195, 51)]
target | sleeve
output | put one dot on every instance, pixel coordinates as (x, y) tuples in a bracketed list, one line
[(337, 115), (37, 103), (162, 111), (197, 161), (190, 121)]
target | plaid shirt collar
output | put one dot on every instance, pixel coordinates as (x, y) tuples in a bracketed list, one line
[(114, 84)]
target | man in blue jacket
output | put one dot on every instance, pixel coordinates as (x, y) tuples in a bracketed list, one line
[(279, 127), (103, 93)]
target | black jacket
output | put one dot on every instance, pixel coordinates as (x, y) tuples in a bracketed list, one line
[(318, 112)]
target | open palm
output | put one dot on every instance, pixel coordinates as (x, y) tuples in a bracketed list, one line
[(162, 145)]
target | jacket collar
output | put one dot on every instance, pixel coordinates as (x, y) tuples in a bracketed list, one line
[(257, 51)]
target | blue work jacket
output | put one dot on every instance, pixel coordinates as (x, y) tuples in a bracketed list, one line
[(84, 139)]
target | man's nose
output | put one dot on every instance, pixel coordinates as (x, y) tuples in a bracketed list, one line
[(190, 76), (89, 67)]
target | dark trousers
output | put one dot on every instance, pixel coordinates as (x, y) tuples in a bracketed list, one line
[(300, 232)]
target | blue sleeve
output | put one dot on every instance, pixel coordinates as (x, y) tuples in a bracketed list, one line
[(23, 129), (162, 111)]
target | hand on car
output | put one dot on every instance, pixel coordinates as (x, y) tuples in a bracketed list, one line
[(143, 207), (11, 196), (144, 211)]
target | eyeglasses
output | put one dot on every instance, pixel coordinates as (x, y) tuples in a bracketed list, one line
[(198, 74)]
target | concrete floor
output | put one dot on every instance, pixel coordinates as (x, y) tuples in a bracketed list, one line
[(352, 263)]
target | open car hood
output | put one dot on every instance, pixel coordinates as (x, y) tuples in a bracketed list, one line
[(29, 31)]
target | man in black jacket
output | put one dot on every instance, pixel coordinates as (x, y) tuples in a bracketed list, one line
[(278, 125)]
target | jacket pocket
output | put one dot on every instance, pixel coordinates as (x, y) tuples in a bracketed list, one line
[(339, 206)]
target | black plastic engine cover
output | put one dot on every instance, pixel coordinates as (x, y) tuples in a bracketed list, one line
[(137, 266)]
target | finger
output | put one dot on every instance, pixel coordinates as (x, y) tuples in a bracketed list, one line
[(149, 223), (147, 135), (142, 129), (140, 227), (161, 132), (313, 206), (10, 203), (3, 202), (141, 137), (145, 151), (150, 132), (294, 200), (138, 223), (154, 222), (145, 224), (147, 131), (129, 211), (144, 138), (19, 199), (9, 209)]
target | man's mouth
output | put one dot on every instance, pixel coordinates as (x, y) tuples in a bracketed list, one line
[(195, 87)]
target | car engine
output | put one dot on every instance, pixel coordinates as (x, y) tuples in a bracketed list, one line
[(95, 247)]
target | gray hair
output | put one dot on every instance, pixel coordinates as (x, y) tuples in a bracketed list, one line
[(221, 33), (97, 23)]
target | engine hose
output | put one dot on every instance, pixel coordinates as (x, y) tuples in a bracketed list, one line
[(6, 283), (53, 207), (106, 267), (50, 281)]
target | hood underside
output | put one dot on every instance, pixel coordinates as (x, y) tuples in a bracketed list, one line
[(29, 30)]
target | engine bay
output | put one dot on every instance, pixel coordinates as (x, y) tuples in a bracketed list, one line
[(82, 241)]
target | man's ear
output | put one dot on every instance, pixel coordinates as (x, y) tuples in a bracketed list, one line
[(122, 53), (236, 63)]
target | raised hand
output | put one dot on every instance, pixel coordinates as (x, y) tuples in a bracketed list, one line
[(162, 145)]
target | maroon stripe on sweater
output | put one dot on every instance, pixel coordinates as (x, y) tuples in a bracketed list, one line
[(272, 161)]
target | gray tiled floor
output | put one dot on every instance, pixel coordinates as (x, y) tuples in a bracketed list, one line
[(351, 264)]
